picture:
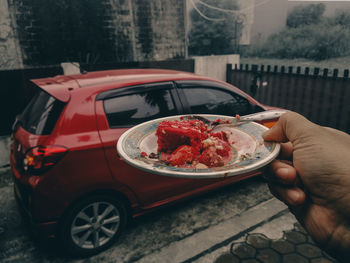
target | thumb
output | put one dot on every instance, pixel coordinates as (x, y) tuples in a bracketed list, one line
[(289, 127)]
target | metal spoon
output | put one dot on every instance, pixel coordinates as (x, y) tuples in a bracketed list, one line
[(259, 116)]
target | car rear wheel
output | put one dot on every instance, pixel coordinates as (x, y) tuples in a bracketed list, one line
[(92, 225)]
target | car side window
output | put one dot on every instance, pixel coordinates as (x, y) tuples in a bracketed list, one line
[(215, 101), (132, 109)]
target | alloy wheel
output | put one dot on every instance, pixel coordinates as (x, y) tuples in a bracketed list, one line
[(95, 225)]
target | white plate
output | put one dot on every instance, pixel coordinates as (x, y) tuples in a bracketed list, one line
[(251, 151)]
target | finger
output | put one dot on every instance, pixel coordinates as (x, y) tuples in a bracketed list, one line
[(286, 151), (290, 195), (283, 173), (289, 127)]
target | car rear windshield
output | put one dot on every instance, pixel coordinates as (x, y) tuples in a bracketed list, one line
[(41, 114)]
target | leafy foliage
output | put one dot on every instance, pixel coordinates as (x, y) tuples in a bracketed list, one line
[(305, 15), (218, 33), (315, 38), (342, 18)]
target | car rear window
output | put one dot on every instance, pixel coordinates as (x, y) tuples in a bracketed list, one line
[(41, 114), (132, 109)]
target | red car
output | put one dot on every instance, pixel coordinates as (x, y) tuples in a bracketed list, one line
[(68, 177)]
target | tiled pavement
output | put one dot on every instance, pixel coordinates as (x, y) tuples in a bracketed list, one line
[(294, 247)]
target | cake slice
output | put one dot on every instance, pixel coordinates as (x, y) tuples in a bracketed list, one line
[(172, 134), (189, 143)]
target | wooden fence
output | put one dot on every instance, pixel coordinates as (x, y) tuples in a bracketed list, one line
[(323, 96)]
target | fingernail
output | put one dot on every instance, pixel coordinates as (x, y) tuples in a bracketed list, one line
[(294, 196), (283, 173)]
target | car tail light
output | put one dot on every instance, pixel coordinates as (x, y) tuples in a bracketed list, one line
[(41, 158)]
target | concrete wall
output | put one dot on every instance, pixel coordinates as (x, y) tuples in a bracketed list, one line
[(214, 66), (10, 55)]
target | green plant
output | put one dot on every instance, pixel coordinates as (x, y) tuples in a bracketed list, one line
[(305, 15), (213, 30), (323, 38)]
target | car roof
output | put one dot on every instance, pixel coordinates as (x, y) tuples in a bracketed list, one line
[(61, 86)]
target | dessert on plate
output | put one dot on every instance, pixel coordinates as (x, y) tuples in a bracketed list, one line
[(192, 144)]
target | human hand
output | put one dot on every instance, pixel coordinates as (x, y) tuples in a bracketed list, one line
[(313, 179)]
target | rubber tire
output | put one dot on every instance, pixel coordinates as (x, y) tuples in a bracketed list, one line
[(64, 237)]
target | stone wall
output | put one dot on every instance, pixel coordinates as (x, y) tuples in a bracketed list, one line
[(159, 29), (54, 31), (10, 55)]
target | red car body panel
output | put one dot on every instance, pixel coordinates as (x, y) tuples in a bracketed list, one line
[(148, 187), (92, 163)]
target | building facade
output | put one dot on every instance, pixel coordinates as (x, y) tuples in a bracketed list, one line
[(48, 32)]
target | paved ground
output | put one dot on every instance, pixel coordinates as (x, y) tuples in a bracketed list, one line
[(4, 151), (270, 244), (239, 223)]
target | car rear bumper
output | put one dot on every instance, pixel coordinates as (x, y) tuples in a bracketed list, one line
[(39, 229)]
